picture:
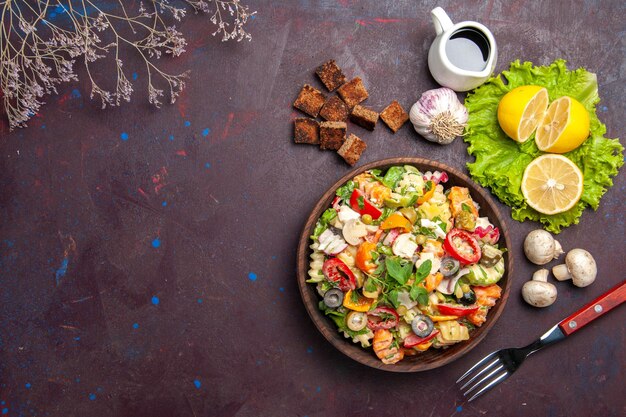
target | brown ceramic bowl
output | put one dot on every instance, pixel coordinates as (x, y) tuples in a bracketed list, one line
[(432, 358)]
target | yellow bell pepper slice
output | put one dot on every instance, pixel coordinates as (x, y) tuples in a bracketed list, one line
[(428, 194), (396, 220), (422, 347), (356, 302), (439, 318)]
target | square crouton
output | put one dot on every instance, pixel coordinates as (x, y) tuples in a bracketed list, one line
[(394, 116), (352, 149), (364, 117), (335, 110), (306, 131), (353, 92), (331, 75), (332, 135), (310, 100)]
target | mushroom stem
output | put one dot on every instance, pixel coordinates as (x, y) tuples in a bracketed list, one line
[(541, 275), (561, 272), (558, 249)]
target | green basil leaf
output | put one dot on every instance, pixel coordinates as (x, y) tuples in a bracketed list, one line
[(423, 271), (398, 269)]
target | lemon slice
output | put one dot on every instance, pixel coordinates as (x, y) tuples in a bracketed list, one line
[(565, 127), (552, 184), (521, 110)]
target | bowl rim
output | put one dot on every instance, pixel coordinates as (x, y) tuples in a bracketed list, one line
[(325, 325)]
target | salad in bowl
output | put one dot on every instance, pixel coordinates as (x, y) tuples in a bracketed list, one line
[(405, 263)]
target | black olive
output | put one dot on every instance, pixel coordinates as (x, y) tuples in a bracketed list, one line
[(422, 325), (449, 266), (468, 298), (333, 298)]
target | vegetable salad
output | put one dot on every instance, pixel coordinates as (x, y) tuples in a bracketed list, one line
[(403, 264)]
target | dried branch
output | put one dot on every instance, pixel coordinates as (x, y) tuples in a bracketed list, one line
[(37, 52)]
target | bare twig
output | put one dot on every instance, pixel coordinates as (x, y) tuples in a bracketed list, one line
[(41, 40)]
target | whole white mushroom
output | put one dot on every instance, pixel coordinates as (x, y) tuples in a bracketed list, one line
[(540, 247), (579, 266), (539, 292)]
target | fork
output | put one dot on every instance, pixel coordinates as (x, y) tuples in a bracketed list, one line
[(499, 365)]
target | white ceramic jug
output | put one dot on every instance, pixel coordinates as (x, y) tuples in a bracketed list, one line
[(463, 55)]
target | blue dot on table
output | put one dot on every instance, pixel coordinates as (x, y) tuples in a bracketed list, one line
[(199, 300), (5, 411), (135, 325), (281, 289), (459, 408), (27, 385), (76, 93), (135, 76), (164, 204), (252, 276), (92, 396), (124, 136), (155, 300), (309, 349), (207, 165), (156, 243), (187, 123), (197, 383), (171, 137), (206, 131)]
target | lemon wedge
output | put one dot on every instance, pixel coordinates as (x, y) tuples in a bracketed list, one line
[(552, 184), (565, 126), (521, 110)]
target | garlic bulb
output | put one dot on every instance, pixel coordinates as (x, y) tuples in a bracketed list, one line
[(439, 116)]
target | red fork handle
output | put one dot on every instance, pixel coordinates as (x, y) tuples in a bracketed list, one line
[(601, 305)]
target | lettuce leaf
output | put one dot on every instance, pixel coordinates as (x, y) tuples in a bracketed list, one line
[(500, 162)]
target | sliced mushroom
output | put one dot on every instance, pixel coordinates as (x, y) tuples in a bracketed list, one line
[(353, 231), (539, 292), (540, 247), (579, 266), (404, 246)]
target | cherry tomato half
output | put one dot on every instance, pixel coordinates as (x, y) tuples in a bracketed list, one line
[(462, 246), (338, 272), (382, 318)]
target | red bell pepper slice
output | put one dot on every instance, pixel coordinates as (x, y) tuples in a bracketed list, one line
[(362, 205), (414, 340), (382, 318), (459, 311), (335, 270), (462, 246)]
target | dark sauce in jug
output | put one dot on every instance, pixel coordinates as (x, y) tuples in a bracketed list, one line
[(468, 49)]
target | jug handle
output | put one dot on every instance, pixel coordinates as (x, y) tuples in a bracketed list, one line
[(441, 20)]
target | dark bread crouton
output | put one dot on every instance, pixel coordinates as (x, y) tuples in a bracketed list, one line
[(394, 116), (353, 92), (306, 131), (335, 110), (332, 135), (364, 117), (331, 75), (310, 100), (352, 149)]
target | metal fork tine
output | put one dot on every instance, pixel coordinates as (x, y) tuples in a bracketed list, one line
[(486, 378), (483, 360), (482, 371), (490, 385)]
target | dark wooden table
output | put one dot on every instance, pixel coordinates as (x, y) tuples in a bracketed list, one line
[(148, 256)]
